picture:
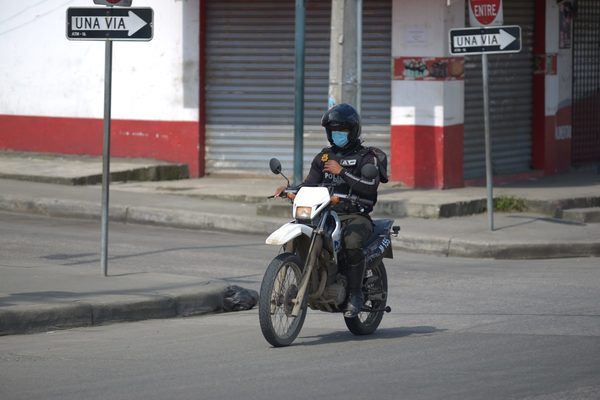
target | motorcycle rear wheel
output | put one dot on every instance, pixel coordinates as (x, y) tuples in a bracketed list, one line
[(279, 288), (375, 295)]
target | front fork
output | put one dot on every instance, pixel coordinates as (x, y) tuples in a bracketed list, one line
[(314, 249), (311, 262)]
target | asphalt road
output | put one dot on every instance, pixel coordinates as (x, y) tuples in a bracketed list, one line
[(459, 329)]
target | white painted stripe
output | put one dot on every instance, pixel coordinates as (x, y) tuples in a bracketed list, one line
[(428, 103)]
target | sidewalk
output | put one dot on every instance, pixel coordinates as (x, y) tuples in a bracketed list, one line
[(30, 301)]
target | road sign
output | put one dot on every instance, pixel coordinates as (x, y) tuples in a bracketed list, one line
[(100, 23), (498, 39), (485, 13)]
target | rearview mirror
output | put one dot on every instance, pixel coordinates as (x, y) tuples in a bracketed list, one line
[(275, 166)]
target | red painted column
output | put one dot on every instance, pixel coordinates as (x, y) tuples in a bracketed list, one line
[(551, 147), (427, 132), (427, 156), (539, 135)]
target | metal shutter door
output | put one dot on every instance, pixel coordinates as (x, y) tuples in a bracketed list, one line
[(376, 74), (586, 83), (250, 81), (511, 101)]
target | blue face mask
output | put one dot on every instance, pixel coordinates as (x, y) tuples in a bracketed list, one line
[(340, 139)]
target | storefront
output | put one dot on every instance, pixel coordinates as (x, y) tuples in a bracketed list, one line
[(215, 87), (586, 80), (250, 81), (511, 101)]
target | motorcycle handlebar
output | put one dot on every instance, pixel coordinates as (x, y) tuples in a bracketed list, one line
[(335, 198), (338, 198), (287, 193)]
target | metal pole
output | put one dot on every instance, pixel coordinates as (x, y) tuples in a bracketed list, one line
[(359, 29), (342, 55), (106, 155), (299, 92), (488, 143)]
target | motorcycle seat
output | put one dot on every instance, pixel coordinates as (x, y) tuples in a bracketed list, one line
[(381, 227)]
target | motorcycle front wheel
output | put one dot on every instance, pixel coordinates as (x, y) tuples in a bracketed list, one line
[(278, 291), (375, 295)]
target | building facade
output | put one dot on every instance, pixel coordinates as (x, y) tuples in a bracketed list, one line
[(215, 87)]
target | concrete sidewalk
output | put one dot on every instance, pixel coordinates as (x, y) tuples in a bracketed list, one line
[(57, 297), (241, 205), (31, 301)]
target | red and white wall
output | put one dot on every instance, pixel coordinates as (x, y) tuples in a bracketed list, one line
[(553, 88), (427, 122), (52, 89)]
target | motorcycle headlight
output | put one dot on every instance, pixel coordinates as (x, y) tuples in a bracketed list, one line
[(303, 212)]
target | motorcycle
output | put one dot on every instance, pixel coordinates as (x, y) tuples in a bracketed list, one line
[(309, 271)]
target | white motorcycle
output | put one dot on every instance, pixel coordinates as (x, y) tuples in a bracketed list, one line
[(309, 270)]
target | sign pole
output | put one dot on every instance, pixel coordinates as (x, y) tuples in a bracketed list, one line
[(484, 41), (106, 154), (108, 24), (488, 143)]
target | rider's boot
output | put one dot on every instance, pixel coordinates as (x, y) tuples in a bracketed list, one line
[(355, 296)]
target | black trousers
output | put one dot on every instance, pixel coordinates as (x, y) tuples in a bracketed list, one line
[(356, 230)]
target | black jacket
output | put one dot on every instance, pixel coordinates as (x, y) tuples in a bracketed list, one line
[(351, 160)]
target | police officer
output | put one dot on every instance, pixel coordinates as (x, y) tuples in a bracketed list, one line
[(339, 166)]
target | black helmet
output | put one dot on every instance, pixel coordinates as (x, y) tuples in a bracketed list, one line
[(342, 117)]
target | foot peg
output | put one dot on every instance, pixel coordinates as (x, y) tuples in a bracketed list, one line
[(387, 309)]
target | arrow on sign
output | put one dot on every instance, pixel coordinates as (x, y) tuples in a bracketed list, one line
[(501, 39), (132, 23)]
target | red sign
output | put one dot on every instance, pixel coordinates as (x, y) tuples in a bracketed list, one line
[(122, 3), (485, 12)]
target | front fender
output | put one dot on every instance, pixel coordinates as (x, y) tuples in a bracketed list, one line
[(288, 232)]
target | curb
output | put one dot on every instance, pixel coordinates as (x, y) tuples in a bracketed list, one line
[(35, 318), (443, 246), (141, 215), (150, 173), (389, 208), (453, 247)]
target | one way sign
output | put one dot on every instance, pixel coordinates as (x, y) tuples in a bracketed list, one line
[(109, 23), (498, 39)]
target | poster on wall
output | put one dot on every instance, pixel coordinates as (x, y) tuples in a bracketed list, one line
[(429, 68), (565, 24)]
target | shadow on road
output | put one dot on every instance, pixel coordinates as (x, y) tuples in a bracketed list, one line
[(384, 333)]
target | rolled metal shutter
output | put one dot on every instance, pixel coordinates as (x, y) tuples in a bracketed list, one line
[(511, 101), (376, 74), (250, 81), (585, 144)]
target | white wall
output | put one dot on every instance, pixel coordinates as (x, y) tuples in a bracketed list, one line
[(44, 74), (420, 29), (558, 87), (428, 19)]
